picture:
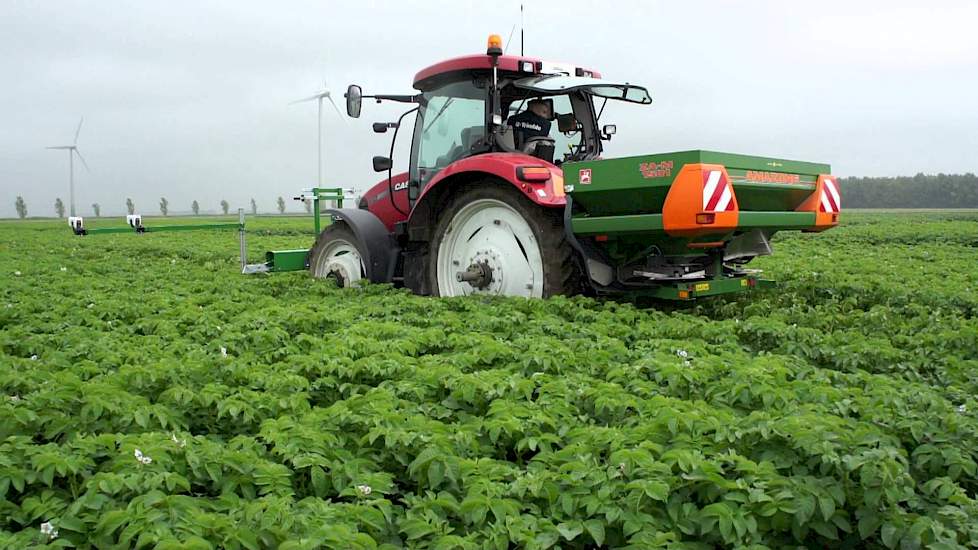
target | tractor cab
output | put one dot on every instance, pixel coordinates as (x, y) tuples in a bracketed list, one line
[(456, 119), (465, 107)]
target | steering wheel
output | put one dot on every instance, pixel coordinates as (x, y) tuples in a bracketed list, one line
[(530, 143)]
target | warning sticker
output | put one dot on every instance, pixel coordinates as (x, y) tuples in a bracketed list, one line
[(702, 287), (585, 176)]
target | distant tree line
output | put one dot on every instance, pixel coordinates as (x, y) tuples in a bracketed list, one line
[(920, 191)]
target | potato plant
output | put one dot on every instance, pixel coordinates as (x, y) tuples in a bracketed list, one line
[(150, 397)]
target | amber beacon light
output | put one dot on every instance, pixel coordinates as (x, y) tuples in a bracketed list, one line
[(494, 46)]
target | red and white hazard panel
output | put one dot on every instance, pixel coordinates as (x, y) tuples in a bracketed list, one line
[(717, 194), (831, 201)]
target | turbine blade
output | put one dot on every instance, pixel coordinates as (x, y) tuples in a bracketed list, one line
[(78, 131), (333, 103), (81, 158), (310, 98)]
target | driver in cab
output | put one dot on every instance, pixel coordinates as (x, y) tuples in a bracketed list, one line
[(533, 122)]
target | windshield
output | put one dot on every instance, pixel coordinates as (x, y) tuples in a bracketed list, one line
[(594, 86), (451, 120)]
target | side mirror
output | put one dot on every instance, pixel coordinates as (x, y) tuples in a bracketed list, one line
[(566, 123), (354, 99), (381, 127), (382, 164), (609, 130)]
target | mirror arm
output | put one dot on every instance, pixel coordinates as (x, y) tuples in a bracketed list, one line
[(394, 97)]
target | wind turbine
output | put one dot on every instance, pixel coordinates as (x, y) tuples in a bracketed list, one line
[(323, 94), (72, 151)]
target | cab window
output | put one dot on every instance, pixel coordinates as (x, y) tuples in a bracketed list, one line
[(451, 120), (565, 142)]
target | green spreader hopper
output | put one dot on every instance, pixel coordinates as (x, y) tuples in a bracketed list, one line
[(681, 225)]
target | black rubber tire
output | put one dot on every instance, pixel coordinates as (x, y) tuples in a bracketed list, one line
[(561, 273), (333, 232)]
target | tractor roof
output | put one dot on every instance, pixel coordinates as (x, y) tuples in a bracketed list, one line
[(429, 76)]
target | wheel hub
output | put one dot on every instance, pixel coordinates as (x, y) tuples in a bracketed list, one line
[(489, 249), (340, 260), (478, 274), (346, 268)]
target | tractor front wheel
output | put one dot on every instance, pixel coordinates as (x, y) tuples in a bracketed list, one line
[(337, 254), (492, 240)]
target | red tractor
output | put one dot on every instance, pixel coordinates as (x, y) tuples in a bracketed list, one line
[(507, 193)]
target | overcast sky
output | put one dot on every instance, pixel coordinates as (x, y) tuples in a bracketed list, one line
[(190, 100)]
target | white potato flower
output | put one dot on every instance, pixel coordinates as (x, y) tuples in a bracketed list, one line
[(143, 459), (48, 529)]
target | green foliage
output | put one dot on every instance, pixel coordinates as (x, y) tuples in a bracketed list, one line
[(225, 206), (130, 206), (59, 207), (195, 208), (280, 411), (280, 204), (97, 209), (164, 206)]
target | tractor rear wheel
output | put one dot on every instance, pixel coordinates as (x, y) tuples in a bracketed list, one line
[(492, 240), (337, 253)]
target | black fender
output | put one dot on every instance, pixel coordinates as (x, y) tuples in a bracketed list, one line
[(380, 251), (597, 268)]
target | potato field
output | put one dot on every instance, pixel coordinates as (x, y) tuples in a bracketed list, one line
[(152, 397)]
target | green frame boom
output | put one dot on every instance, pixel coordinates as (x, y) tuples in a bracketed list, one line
[(275, 260), (162, 228), (323, 194)]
